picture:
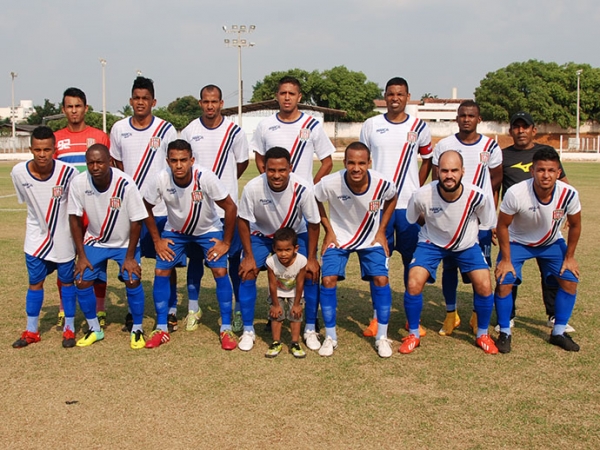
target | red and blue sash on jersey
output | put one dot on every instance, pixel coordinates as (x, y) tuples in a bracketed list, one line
[(112, 214), (300, 144), (225, 149), (566, 196), (193, 217), (149, 153), (474, 200)]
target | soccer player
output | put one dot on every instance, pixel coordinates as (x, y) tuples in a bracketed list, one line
[(483, 168), (531, 216), (138, 146), (190, 193), (396, 140), (287, 270), (516, 164), (278, 198), (43, 184), (115, 212), (221, 146), (451, 212), (71, 145), (355, 196)]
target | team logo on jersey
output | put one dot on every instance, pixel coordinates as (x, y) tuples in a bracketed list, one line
[(57, 191), (197, 196), (90, 141), (558, 214), (435, 209), (115, 203), (382, 130), (154, 142), (411, 137), (343, 197), (484, 157), (374, 206), (197, 138), (265, 201), (304, 134), (126, 135)]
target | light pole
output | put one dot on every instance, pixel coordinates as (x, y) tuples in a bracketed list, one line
[(103, 63), (577, 128), (239, 43), (13, 75)]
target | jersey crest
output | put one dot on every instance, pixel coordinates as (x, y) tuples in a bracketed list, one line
[(484, 157), (90, 141), (115, 203), (412, 137), (304, 134), (155, 143), (57, 191), (374, 206), (558, 214), (197, 196)]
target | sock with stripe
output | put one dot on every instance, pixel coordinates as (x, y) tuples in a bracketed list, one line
[(563, 309), (224, 297), (504, 306), (33, 306), (413, 305), (483, 306), (329, 306)]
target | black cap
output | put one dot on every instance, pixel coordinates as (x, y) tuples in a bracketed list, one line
[(525, 117)]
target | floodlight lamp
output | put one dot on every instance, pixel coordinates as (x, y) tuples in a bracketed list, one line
[(243, 41), (252, 27), (234, 27), (227, 41), (224, 28), (242, 28)]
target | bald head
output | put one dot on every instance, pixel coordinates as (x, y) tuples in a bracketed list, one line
[(450, 171), (452, 154)]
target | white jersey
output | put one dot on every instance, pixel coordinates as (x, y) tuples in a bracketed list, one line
[(267, 211), (451, 225), (191, 210), (479, 158), (286, 276), (220, 149), (394, 150), (303, 138), (47, 233), (109, 212), (355, 218), (536, 223), (142, 152)]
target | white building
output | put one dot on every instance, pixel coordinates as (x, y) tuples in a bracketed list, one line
[(22, 111)]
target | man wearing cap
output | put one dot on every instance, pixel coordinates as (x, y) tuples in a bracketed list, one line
[(516, 162)]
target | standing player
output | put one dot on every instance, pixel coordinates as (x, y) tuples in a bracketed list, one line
[(355, 196), (483, 168), (221, 146), (43, 184), (303, 136), (138, 145), (516, 164), (452, 213), (190, 193), (71, 145), (273, 200), (531, 216), (396, 140), (115, 212)]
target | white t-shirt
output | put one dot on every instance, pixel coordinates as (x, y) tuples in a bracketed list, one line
[(286, 276), (394, 150), (47, 233), (355, 218), (536, 223), (111, 212)]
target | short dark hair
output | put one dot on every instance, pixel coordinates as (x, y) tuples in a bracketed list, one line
[(469, 104), (397, 81), (74, 92), (212, 87), (546, 153), (101, 148), (180, 144), (356, 145), (277, 153), (291, 80), (43, 132), (143, 83), (285, 234)]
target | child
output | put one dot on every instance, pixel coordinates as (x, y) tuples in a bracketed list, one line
[(287, 270)]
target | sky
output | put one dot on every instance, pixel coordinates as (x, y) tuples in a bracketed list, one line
[(435, 44)]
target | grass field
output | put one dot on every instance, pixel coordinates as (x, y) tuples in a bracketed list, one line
[(447, 394)]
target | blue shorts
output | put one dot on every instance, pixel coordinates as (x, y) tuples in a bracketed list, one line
[(485, 244), (373, 262), (429, 256), (401, 235), (147, 244), (98, 257), (550, 259), (38, 269), (181, 243), (262, 247)]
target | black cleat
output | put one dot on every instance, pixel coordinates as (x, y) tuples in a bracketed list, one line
[(503, 342), (564, 341)]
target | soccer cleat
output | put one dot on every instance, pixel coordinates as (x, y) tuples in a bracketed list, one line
[(137, 340), (247, 341), (238, 324), (371, 330), (311, 339), (550, 324), (228, 341), (128, 323), (451, 322), (473, 322), (28, 337), (384, 347), (102, 319), (297, 351), (409, 343), (90, 337), (329, 345), (157, 338), (192, 319), (503, 343), (60, 322), (68, 339), (564, 341), (172, 322), (274, 350), (497, 327), (422, 331), (486, 343)]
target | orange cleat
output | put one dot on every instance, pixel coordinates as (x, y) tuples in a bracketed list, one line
[(486, 343), (409, 343)]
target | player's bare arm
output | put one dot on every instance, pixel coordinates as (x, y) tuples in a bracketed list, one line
[(388, 209), (260, 162), (435, 172), (496, 175), (276, 310), (325, 169), (570, 263), (330, 239), (297, 307), (424, 170), (116, 163), (222, 247), (248, 269), (241, 168), (504, 265)]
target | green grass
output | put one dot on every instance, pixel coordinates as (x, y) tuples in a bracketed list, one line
[(190, 393)]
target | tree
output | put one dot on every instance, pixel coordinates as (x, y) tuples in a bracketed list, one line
[(266, 89), (92, 118), (177, 120), (49, 109), (428, 95), (547, 91), (186, 106), (126, 111)]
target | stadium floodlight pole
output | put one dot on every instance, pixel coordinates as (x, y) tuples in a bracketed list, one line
[(578, 73), (13, 75), (239, 43), (103, 63)]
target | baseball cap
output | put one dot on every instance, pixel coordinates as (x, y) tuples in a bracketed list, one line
[(525, 117)]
